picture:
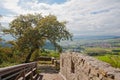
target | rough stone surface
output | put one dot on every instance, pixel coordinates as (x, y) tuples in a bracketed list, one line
[(76, 66)]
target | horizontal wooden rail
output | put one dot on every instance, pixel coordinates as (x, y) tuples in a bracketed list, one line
[(26, 71)]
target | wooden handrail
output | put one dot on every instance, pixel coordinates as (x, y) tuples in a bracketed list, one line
[(24, 71)]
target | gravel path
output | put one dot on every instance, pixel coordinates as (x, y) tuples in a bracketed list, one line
[(48, 72)]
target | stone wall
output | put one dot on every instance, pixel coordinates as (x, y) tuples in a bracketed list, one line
[(76, 66)]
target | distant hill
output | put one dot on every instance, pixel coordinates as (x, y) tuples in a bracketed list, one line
[(48, 45), (94, 37), (75, 37), (88, 40), (4, 44)]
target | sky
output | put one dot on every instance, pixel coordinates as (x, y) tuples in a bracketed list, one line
[(84, 17)]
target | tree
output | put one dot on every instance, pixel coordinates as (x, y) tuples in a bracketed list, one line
[(33, 30)]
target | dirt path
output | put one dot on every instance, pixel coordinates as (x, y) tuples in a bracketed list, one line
[(48, 72)]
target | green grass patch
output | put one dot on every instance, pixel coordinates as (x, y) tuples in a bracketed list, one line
[(114, 60)]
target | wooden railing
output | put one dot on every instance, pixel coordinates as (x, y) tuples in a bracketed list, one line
[(25, 71)]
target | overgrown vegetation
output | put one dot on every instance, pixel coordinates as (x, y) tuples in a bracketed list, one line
[(8, 57)]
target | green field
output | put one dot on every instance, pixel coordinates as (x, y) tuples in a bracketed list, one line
[(114, 60), (109, 55)]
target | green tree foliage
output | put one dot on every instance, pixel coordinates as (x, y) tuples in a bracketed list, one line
[(5, 54), (32, 31)]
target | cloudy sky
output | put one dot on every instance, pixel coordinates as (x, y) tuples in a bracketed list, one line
[(84, 17)]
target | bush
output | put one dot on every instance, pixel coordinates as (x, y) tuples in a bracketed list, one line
[(9, 57), (50, 53), (3, 57)]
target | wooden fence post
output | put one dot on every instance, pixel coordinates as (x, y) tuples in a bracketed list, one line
[(23, 75), (31, 74)]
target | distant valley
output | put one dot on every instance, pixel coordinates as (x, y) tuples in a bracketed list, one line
[(76, 42)]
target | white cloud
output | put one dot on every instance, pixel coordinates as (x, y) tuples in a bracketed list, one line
[(85, 17), (12, 5)]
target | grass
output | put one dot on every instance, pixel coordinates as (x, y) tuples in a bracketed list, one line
[(114, 60), (109, 55)]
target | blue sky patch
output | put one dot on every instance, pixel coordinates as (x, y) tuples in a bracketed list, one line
[(5, 12)]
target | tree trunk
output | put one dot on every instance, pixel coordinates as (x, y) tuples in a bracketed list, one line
[(29, 56), (31, 52)]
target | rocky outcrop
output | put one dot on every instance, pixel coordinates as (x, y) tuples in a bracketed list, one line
[(76, 66)]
